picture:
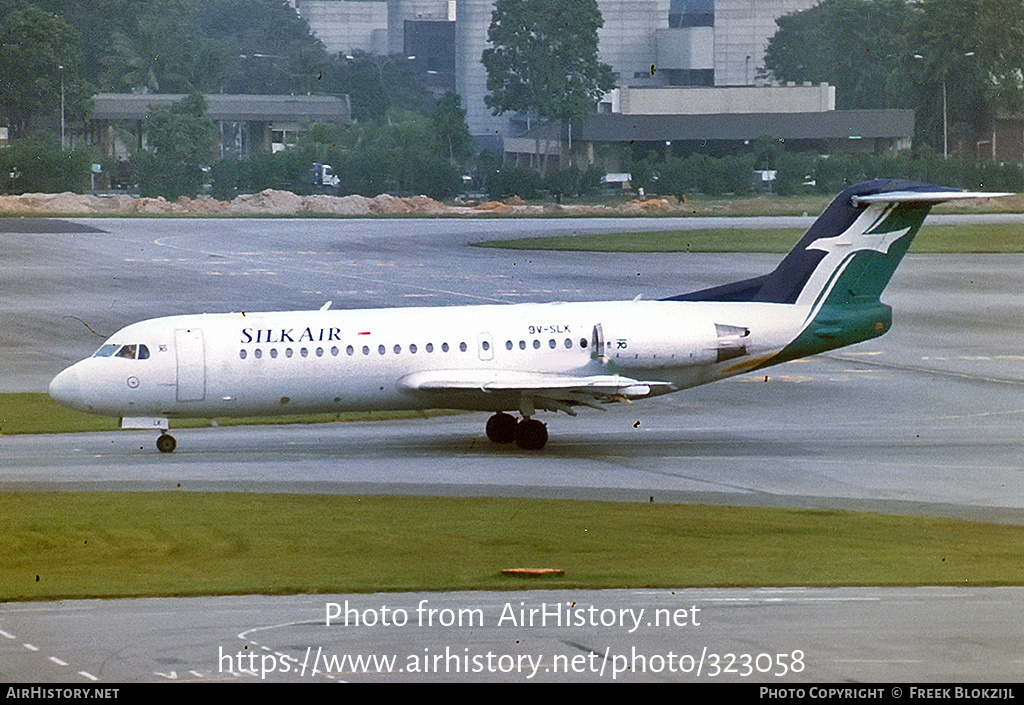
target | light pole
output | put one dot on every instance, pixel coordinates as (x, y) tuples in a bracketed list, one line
[(63, 145), (380, 65), (945, 109)]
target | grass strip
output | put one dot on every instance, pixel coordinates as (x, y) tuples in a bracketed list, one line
[(36, 412), (937, 239), (88, 545)]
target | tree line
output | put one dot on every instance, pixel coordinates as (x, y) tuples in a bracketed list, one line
[(403, 137), (160, 46), (793, 173), (411, 154), (956, 63), (541, 61), (183, 46)]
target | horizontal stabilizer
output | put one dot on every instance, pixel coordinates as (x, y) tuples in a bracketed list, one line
[(929, 197)]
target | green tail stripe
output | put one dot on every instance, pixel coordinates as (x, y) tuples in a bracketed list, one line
[(848, 309)]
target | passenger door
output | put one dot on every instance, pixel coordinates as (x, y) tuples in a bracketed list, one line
[(191, 364)]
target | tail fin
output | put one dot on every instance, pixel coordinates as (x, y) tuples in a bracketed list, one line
[(843, 263), (851, 250)]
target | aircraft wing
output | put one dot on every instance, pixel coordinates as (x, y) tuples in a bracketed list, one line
[(548, 390)]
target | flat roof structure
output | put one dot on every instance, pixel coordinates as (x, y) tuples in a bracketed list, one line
[(828, 125), (833, 130), (245, 123), (224, 107)]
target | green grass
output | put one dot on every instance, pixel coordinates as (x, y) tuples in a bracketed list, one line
[(57, 545), (35, 412), (1000, 238)]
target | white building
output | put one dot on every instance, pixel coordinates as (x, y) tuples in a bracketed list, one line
[(347, 25), (742, 30), (696, 43)]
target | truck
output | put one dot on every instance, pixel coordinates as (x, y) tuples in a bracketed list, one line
[(325, 179)]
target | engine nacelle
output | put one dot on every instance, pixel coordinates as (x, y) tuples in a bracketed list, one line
[(651, 344)]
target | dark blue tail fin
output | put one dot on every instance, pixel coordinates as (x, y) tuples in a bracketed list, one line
[(841, 266), (869, 225)]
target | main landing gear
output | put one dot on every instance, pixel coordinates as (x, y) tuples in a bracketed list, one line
[(528, 434), (166, 443)]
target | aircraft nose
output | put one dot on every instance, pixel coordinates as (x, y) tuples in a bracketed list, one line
[(66, 388)]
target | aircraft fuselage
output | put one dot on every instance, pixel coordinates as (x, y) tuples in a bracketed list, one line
[(246, 364)]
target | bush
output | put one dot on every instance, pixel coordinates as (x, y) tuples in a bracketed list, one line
[(792, 172), (833, 173), (562, 182), (644, 175), (590, 180), (390, 168), (160, 176), (367, 173), (676, 177), (514, 181), (739, 174), (39, 165), (225, 177)]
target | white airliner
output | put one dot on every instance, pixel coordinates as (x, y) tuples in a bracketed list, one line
[(518, 357)]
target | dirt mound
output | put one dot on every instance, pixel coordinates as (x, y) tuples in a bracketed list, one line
[(493, 207), (266, 202), (271, 202), (332, 205)]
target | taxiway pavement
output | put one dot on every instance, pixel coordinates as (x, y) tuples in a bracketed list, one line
[(925, 419)]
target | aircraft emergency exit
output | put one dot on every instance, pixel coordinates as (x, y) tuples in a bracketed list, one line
[(522, 358)]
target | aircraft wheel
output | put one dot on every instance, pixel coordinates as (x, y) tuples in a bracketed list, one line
[(166, 443), (501, 428), (531, 434)]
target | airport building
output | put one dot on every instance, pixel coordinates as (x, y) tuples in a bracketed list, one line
[(705, 43), (245, 123), (679, 63)]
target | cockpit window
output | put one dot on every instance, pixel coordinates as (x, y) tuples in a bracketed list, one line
[(128, 352)]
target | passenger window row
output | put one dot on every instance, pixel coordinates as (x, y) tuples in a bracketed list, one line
[(350, 350), (552, 343), (365, 350)]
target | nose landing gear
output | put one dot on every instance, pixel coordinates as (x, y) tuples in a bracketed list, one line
[(528, 434), (166, 443)]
